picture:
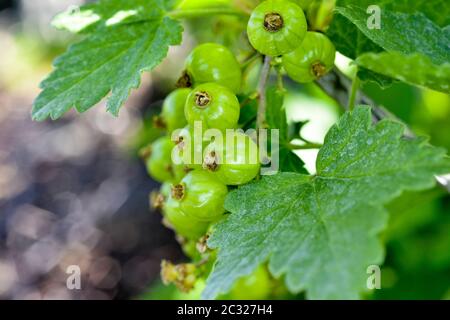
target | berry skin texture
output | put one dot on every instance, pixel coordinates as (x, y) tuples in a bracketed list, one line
[(189, 149), (276, 27), (313, 59), (173, 109), (256, 286), (159, 163), (211, 62), (186, 226), (214, 105), (234, 161), (200, 196)]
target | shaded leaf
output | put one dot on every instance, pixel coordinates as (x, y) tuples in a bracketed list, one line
[(414, 69)]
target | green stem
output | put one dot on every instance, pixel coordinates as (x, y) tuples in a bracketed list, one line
[(250, 60), (354, 92), (264, 77), (202, 12), (306, 146)]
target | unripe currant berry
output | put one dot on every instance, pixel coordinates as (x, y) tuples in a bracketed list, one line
[(159, 161), (234, 161), (200, 196), (189, 148), (313, 59), (173, 109), (212, 62), (276, 27), (185, 225), (256, 286), (214, 105)]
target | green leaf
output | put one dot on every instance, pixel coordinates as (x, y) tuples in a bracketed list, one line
[(402, 29), (109, 12), (366, 75), (294, 129), (275, 112), (249, 109), (405, 33), (320, 232), (276, 119), (111, 59), (348, 39), (414, 69), (436, 10)]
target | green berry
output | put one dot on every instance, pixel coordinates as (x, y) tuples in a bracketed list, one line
[(214, 105), (173, 109), (159, 163), (233, 161), (313, 59), (189, 148), (200, 196), (185, 225), (212, 62), (276, 27), (256, 286)]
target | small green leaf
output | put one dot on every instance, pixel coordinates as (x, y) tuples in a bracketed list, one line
[(249, 109), (276, 119), (86, 18), (290, 162), (436, 10), (109, 60), (276, 113), (294, 129), (406, 26), (414, 69), (348, 39), (320, 232), (366, 75), (405, 33)]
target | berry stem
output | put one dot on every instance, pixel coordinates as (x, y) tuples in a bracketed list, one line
[(353, 92), (306, 146), (265, 72), (204, 12), (249, 61)]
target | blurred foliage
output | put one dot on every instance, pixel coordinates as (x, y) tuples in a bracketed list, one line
[(417, 262)]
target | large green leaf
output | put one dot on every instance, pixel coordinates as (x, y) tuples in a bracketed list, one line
[(321, 231), (111, 59), (414, 69)]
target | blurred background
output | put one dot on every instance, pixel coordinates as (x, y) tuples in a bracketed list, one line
[(73, 191)]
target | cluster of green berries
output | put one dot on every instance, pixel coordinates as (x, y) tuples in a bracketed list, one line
[(279, 28), (196, 172), (193, 192)]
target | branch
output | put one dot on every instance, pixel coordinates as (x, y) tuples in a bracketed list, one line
[(337, 86), (265, 71)]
